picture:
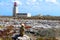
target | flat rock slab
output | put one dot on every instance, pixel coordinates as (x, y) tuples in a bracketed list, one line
[(25, 37)]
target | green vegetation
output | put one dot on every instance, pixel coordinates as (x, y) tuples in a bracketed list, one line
[(41, 38), (46, 33)]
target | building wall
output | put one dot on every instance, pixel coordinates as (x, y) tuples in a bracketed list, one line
[(21, 15)]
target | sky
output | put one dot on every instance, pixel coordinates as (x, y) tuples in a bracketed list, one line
[(34, 7)]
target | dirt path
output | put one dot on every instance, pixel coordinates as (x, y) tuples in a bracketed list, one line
[(58, 38)]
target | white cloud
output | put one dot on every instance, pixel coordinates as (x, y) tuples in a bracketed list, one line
[(27, 3), (52, 1), (32, 2), (40, 0)]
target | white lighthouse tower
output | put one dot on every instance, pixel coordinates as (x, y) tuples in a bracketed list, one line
[(15, 8)]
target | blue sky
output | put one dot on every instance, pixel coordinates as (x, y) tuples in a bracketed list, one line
[(35, 7)]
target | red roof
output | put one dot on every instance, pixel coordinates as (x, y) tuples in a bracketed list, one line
[(15, 4)]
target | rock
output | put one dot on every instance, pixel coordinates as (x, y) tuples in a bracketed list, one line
[(25, 37)]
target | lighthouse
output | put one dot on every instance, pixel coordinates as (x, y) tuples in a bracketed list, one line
[(16, 12), (15, 9)]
